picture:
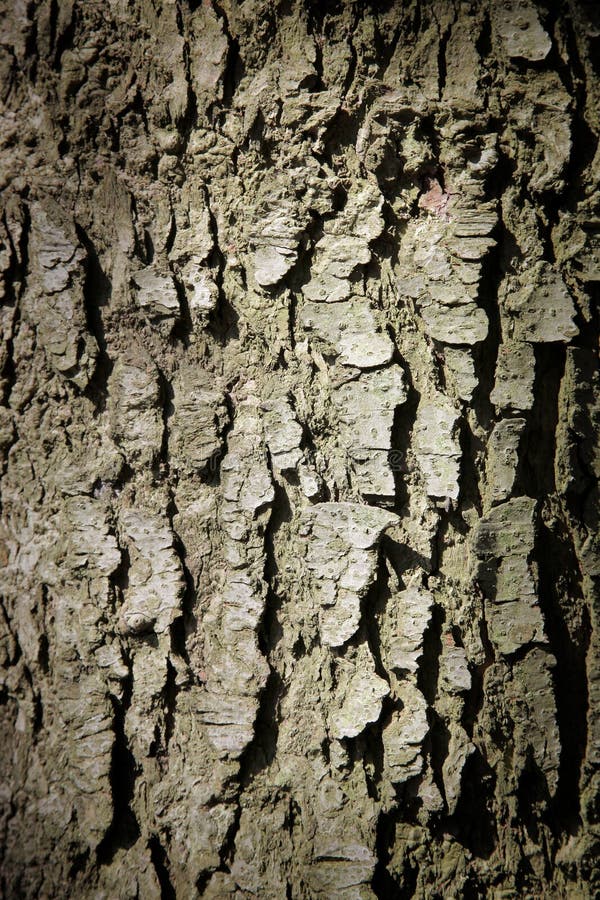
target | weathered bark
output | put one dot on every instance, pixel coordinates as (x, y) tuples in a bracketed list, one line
[(299, 430)]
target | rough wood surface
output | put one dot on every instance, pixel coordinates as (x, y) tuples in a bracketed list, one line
[(299, 449)]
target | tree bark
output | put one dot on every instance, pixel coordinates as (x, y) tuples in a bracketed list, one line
[(300, 457)]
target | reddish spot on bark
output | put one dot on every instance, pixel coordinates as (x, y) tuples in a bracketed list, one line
[(436, 200)]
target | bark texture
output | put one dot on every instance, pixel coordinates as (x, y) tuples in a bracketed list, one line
[(299, 435)]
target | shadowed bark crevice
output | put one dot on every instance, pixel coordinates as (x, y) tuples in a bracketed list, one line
[(124, 830)]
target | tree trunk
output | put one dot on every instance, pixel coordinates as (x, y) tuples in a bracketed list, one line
[(299, 449)]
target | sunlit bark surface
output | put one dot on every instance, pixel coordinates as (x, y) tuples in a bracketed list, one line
[(299, 451)]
